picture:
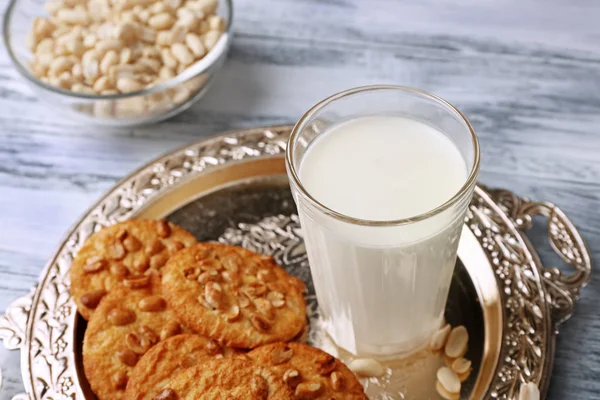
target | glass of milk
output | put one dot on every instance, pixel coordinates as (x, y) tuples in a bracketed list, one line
[(382, 177)]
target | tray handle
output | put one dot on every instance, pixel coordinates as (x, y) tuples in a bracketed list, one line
[(563, 288), (13, 325), (14, 321)]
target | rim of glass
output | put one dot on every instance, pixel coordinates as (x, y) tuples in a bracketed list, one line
[(301, 124), (194, 70)]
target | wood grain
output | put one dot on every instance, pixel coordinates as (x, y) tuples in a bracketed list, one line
[(527, 74)]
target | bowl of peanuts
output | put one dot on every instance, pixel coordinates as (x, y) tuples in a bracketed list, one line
[(118, 62)]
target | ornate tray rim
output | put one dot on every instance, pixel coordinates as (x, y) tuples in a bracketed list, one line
[(549, 294)]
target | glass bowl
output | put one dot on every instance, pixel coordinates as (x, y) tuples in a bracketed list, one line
[(145, 106)]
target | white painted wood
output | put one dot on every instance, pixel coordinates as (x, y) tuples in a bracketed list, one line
[(526, 73)]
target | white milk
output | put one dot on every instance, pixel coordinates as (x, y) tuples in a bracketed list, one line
[(382, 290)]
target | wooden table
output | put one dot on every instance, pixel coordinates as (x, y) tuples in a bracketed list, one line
[(526, 73)]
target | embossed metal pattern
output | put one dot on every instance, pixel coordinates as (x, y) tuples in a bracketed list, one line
[(566, 242), (535, 299)]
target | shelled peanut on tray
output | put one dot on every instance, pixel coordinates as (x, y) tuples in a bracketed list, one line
[(452, 344), (121, 46)]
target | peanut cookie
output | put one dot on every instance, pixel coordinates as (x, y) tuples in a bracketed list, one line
[(310, 372), (225, 379), (237, 297), (165, 359), (120, 250), (127, 323)]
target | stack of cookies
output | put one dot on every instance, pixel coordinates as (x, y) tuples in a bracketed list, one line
[(173, 319)]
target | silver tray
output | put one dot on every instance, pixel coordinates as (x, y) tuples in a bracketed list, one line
[(233, 188)]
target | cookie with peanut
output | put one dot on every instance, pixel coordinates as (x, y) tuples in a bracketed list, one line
[(237, 297), (160, 363), (129, 321), (226, 379), (117, 254), (311, 373)]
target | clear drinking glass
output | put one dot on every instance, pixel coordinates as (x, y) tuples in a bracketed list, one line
[(382, 286)]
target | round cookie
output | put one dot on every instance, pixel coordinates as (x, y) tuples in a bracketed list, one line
[(127, 323), (310, 372), (120, 250), (161, 362), (237, 297), (225, 379)]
